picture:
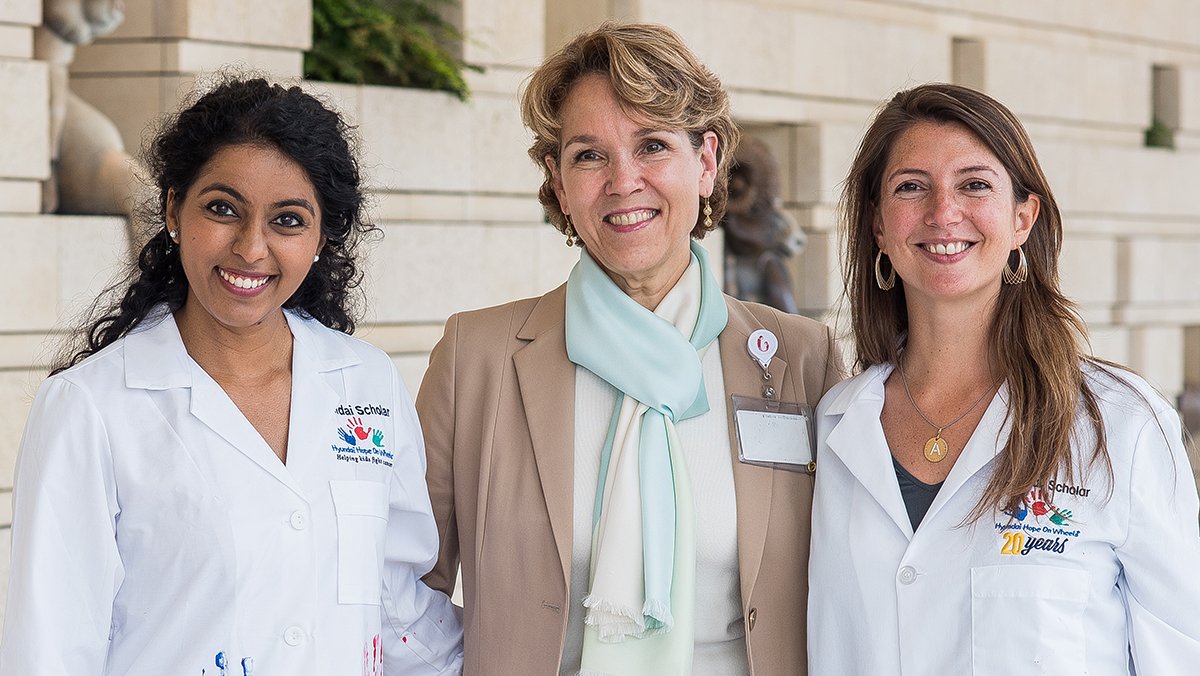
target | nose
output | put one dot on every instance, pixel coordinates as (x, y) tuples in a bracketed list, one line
[(944, 209), (251, 242), (624, 176)]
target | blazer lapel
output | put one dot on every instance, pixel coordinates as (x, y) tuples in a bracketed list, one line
[(752, 484), (546, 379)]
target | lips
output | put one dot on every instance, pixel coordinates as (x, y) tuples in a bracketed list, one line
[(630, 217), (243, 281), (947, 248)]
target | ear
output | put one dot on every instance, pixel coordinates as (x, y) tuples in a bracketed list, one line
[(877, 230), (170, 217), (557, 184), (708, 163), (1025, 217)]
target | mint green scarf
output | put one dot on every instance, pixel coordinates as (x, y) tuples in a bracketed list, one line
[(641, 600)]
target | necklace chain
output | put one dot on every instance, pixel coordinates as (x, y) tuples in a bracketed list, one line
[(935, 448)]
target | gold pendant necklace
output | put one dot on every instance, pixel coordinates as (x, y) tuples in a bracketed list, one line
[(936, 449)]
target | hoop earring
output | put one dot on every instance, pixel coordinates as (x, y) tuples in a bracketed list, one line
[(1021, 273), (890, 281), (708, 224), (569, 231)]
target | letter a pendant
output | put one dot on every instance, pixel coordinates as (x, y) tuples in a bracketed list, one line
[(935, 448)]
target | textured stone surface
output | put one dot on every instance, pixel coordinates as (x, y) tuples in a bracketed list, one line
[(24, 120)]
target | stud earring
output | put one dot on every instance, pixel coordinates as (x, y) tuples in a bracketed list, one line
[(316, 258), (708, 224), (174, 235), (569, 231), (1021, 273), (884, 283)]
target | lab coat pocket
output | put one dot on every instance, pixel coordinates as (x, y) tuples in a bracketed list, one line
[(1028, 619), (362, 514)]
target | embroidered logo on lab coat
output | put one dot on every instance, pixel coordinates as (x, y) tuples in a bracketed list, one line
[(1038, 525), (223, 663), (357, 440)]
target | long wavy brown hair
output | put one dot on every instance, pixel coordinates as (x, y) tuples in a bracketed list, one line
[(1037, 337)]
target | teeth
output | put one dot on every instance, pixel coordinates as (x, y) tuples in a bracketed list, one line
[(632, 217), (243, 282), (947, 249)]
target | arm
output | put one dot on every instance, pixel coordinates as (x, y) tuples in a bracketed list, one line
[(435, 406), (1160, 557), (422, 628), (66, 567)]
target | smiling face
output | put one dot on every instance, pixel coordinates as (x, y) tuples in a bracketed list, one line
[(248, 229), (631, 189), (947, 215)]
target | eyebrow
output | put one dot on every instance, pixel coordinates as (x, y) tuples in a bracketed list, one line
[(228, 189), (588, 139), (904, 171)]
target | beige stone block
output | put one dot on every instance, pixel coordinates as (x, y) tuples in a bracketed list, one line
[(30, 282), (473, 207), (753, 47), (139, 20), (817, 273), (276, 23), (1085, 268), (346, 99), (401, 338), (566, 18), (1191, 355), (1109, 342), (198, 56), (424, 273), (1071, 82), (1156, 352), (1121, 180), (499, 33), (93, 253), (1189, 98), (20, 196), (500, 143), (108, 57), (28, 350), (900, 56), (412, 369), (26, 12), (16, 42), (134, 102), (24, 120), (820, 160), (415, 140), (1158, 271)]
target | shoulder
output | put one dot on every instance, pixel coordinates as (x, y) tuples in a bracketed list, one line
[(789, 327), (1121, 393), (840, 396)]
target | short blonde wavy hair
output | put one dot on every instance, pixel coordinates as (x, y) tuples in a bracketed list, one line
[(655, 76)]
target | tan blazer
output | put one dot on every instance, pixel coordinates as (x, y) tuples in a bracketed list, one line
[(498, 407)]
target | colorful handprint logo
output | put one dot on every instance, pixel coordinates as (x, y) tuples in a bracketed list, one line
[(373, 657), (355, 431), (1039, 504)]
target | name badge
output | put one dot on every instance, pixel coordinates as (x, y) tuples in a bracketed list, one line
[(775, 434)]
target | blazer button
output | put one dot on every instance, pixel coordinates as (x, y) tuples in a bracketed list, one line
[(751, 618)]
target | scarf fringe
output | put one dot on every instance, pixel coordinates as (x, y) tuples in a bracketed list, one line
[(613, 622)]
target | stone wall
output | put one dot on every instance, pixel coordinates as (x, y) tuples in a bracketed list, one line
[(454, 192)]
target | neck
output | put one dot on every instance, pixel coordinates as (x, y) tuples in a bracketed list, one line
[(948, 347), (648, 290), (235, 355)]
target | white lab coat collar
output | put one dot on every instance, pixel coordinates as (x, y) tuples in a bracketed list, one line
[(857, 440), (155, 359)]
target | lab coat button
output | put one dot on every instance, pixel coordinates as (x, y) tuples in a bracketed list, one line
[(299, 520), (293, 636), (751, 618), (908, 575)]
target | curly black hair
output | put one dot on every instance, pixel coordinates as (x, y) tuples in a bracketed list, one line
[(237, 112)]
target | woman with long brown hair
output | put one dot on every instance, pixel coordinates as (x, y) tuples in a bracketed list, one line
[(992, 499)]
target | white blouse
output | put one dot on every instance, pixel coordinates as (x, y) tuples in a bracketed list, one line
[(720, 633)]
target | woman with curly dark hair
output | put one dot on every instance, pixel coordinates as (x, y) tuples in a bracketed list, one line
[(219, 476)]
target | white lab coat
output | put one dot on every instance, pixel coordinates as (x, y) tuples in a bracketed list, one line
[(1112, 589), (155, 531)]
